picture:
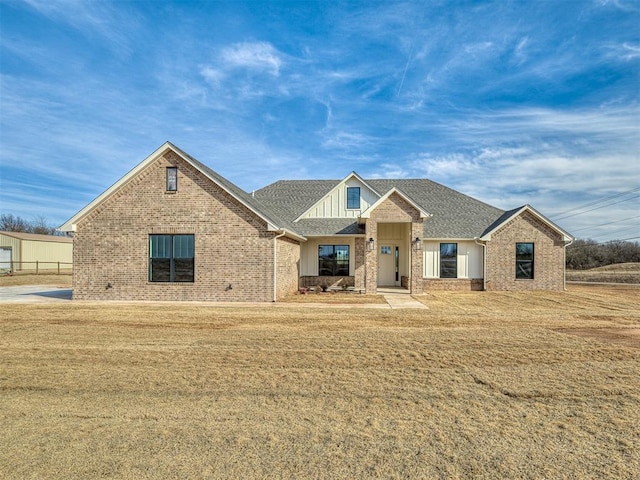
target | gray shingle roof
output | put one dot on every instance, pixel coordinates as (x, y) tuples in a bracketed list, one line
[(272, 216), (454, 215)]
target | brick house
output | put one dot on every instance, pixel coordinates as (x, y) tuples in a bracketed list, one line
[(173, 229)]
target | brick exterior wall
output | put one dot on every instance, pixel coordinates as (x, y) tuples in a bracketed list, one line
[(416, 281), (359, 266), (453, 284), (288, 261), (232, 244), (314, 281), (548, 256), (393, 210)]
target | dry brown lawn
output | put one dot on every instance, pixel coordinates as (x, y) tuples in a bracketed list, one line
[(14, 280), (616, 273), (480, 385)]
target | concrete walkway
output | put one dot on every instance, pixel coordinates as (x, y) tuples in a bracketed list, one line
[(400, 298)]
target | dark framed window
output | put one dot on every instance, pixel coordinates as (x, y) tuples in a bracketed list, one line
[(333, 260), (353, 197), (172, 179), (448, 260), (524, 261), (171, 258)]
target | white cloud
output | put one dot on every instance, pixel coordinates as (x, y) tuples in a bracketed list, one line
[(630, 51), (259, 56)]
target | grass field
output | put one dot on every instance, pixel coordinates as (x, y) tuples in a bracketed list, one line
[(480, 385), (616, 273)]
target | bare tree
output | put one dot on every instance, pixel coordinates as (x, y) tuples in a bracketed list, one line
[(11, 223), (584, 254), (40, 225)]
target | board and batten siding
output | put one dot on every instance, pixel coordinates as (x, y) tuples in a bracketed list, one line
[(334, 204), (309, 253), (470, 258)]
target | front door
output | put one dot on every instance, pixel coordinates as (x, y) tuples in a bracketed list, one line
[(388, 266)]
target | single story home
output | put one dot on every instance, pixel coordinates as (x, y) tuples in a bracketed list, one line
[(173, 229), (34, 252)]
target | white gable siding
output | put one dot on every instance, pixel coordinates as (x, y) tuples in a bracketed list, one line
[(469, 259), (334, 204)]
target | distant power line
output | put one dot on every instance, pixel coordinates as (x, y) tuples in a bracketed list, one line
[(596, 202), (603, 224), (633, 229), (597, 208)]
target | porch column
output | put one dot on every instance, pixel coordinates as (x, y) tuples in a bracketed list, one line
[(371, 258), (359, 264), (416, 286)]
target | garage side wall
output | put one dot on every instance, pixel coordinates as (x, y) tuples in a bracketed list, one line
[(233, 249), (548, 255)]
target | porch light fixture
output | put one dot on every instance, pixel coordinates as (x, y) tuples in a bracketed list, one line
[(418, 243), (371, 244)]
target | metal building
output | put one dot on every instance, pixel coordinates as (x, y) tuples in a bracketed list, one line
[(33, 252)]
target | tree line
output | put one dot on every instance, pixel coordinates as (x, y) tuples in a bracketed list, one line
[(584, 254), (11, 223)]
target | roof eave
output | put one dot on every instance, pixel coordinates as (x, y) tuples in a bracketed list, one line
[(341, 182), (367, 213), (566, 237)]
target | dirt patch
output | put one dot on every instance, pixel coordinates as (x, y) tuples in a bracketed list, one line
[(627, 336)]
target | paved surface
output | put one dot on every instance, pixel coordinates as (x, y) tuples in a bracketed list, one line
[(400, 298), (395, 298), (34, 294)]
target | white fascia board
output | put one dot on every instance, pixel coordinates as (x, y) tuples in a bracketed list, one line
[(340, 235), (341, 183), (528, 208), (290, 234), (441, 239), (367, 212)]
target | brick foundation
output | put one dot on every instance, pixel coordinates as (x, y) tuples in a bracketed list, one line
[(453, 284), (313, 281)]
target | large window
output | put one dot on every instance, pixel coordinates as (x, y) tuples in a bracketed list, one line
[(524, 261), (353, 197), (171, 258), (333, 260), (448, 260)]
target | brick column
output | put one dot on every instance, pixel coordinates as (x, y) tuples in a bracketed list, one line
[(371, 258), (416, 287), (359, 263)]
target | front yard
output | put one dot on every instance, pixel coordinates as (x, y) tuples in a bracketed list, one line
[(480, 384)]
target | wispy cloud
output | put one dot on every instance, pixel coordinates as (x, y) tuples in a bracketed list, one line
[(102, 19), (510, 102), (259, 56)]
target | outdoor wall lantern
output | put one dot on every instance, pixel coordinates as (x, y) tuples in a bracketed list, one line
[(371, 244), (418, 243)]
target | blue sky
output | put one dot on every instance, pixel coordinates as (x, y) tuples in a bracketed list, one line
[(511, 102)]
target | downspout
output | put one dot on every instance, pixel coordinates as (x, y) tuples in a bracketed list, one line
[(564, 264), (484, 262), (275, 265)]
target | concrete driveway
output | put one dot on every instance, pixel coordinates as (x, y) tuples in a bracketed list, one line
[(34, 294)]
